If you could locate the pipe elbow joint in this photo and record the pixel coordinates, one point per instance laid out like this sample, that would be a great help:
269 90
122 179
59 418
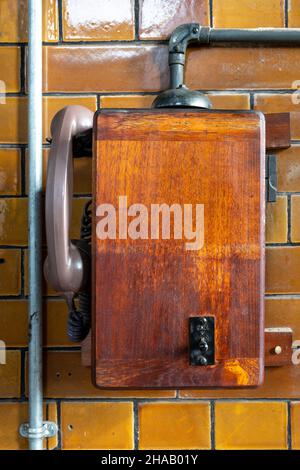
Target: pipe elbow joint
184 34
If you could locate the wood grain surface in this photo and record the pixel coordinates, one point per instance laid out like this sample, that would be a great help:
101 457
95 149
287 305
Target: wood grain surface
144 290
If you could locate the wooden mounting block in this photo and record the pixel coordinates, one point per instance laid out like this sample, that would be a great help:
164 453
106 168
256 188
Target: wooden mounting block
145 291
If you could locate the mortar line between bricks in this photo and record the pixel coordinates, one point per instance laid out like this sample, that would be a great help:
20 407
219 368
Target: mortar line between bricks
59 423
14 400
136 426
98 102
22 374
212 425
286 13
101 43
62 348
131 399
289 426
289 219
225 91
47 419
13 297
22 72
60 24
282 245
211 13
13 247
252 103
136 20
23 171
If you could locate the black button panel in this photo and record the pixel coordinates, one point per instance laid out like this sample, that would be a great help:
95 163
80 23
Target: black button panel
202 341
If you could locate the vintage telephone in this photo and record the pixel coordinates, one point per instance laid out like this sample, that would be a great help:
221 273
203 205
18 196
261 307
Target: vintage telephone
174 306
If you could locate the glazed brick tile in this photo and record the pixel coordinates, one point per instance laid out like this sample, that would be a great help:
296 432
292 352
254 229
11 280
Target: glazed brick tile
294 13
277 221
251 425
230 100
95 20
10 279
295 425
288 169
145 68
13 120
13 221
295 213
174 426
248 14
282 270
10 78
10 172
158 18
12 415
129 101
283 312
15 312
90 426
219 68
101 68
13 20
10 373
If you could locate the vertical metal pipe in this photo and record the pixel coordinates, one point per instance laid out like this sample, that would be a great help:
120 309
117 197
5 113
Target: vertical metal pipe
34 221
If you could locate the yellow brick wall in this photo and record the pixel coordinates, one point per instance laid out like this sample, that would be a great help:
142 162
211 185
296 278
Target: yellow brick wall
113 53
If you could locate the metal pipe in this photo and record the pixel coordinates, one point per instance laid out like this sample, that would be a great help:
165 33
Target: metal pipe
195 33
280 36
179 95
34 221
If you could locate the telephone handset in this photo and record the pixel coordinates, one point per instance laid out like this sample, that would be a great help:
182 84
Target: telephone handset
67 267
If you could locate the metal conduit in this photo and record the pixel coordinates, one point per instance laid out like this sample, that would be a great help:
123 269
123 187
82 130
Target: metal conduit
36 429
34 220
260 36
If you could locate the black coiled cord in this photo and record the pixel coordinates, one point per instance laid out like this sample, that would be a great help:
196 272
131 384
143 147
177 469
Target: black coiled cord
79 319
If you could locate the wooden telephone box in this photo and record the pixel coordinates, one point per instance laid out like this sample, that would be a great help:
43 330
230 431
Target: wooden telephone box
170 262
170 312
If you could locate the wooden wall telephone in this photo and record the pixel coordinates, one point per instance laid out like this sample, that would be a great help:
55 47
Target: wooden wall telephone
168 310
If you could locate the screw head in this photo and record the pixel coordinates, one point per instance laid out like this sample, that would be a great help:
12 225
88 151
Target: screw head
203 345
203 360
278 350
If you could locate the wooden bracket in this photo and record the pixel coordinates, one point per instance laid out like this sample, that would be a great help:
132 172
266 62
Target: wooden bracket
278 131
278 346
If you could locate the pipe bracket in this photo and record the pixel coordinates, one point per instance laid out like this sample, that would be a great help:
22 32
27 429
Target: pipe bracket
49 429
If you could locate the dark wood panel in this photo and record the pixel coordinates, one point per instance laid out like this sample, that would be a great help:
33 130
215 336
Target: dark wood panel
278 131
146 290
